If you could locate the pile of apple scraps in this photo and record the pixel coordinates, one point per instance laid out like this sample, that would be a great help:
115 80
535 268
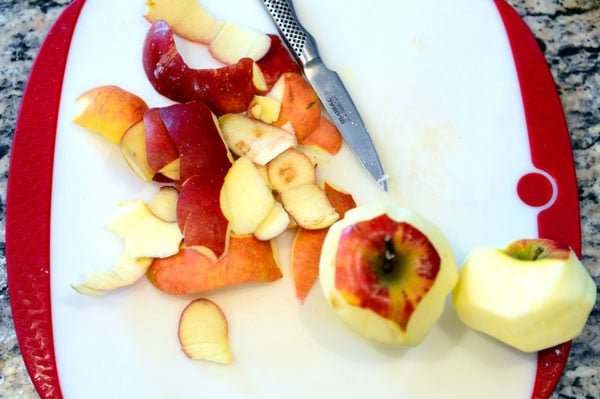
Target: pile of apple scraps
236 156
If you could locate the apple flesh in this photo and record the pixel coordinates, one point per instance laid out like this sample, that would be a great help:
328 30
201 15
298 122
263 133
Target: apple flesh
133 150
203 332
234 42
226 89
533 295
386 271
187 18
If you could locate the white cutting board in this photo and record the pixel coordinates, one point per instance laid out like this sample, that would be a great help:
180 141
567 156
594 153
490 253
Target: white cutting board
435 83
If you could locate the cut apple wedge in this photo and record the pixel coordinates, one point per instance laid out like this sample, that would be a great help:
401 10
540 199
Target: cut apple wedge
133 150
245 197
187 18
203 332
164 204
290 169
256 140
144 234
277 62
191 271
109 110
275 223
226 89
309 206
234 42
127 271
307 244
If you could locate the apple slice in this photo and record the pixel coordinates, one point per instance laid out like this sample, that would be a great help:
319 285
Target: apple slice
164 204
191 271
276 62
133 150
533 295
109 110
245 196
144 234
290 169
203 332
251 138
234 42
275 223
309 206
300 104
386 271
226 89
127 271
307 244
187 18
325 137
161 152
264 108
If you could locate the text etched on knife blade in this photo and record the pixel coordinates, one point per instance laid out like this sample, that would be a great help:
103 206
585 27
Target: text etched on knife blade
339 113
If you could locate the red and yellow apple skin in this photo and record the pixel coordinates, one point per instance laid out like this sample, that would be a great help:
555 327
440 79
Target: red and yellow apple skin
226 90
532 295
387 271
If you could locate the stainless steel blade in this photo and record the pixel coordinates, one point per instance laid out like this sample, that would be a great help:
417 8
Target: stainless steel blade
328 86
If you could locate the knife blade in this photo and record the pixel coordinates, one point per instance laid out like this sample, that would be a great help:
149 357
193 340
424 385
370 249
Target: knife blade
329 87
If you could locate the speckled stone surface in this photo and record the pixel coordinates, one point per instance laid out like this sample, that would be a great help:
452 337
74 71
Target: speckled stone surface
568 31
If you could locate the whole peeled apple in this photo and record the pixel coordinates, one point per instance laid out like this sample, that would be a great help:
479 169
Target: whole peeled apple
532 295
387 271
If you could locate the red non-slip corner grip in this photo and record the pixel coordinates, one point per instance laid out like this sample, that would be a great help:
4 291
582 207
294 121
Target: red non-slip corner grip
550 152
29 197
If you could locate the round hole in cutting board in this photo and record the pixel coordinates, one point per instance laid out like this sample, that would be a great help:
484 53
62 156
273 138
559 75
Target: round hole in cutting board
535 189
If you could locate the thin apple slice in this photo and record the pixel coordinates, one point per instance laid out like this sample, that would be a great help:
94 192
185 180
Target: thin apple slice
275 223
307 244
195 133
144 234
247 197
251 138
190 271
290 169
172 170
300 104
164 204
133 150
160 149
234 42
277 61
187 18
203 332
226 89
309 206
325 137
126 272
109 110
264 108
199 214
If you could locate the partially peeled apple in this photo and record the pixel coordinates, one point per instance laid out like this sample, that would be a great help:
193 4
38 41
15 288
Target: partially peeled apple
532 295
386 271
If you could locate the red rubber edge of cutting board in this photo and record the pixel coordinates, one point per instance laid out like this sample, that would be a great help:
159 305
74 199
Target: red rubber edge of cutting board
550 152
29 196
30 190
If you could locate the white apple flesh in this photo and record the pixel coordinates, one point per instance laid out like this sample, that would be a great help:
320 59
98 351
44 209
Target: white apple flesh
386 271
531 296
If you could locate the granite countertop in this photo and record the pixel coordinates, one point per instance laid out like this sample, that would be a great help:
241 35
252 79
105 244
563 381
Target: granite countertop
568 32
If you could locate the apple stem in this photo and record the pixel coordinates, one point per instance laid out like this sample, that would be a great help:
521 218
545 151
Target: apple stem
537 253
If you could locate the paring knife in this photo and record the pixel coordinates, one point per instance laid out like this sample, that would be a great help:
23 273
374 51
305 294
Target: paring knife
328 86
